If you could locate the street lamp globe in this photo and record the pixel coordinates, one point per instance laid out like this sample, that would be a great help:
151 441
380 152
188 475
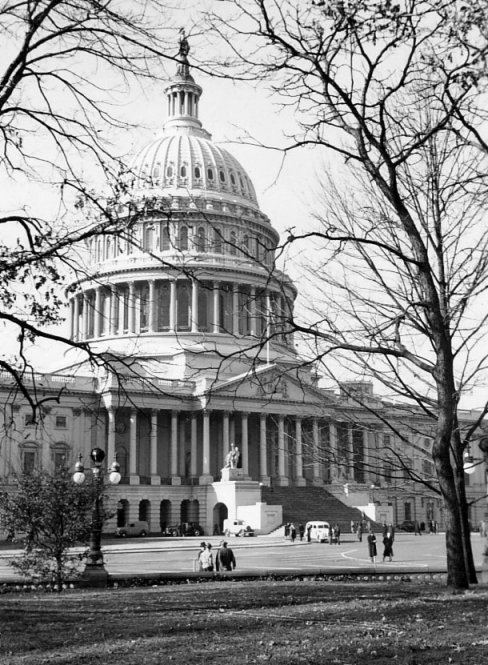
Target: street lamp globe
114 476
469 465
79 476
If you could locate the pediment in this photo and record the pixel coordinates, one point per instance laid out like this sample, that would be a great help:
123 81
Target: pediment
270 384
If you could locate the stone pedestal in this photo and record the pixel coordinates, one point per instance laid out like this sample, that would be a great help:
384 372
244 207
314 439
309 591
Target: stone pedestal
229 474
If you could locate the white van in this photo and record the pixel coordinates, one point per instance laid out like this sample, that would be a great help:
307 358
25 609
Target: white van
319 531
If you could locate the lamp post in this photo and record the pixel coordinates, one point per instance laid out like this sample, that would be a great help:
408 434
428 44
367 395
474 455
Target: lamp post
95 573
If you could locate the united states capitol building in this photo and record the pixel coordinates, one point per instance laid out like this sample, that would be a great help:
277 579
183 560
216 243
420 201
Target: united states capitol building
191 312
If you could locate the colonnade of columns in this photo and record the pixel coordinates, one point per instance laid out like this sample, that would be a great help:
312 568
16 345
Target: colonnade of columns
278 449
177 305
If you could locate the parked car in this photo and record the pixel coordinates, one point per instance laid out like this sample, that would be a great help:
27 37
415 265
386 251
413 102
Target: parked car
319 530
139 528
406 525
184 529
237 528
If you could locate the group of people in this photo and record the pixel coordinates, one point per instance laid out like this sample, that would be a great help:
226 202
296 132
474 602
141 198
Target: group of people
388 538
291 532
224 558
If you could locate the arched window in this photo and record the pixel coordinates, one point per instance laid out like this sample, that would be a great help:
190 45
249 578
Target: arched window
217 242
163 299
144 309
200 240
198 173
165 237
210 174
245 245
183 240
183 301
149 237
232 243
222 175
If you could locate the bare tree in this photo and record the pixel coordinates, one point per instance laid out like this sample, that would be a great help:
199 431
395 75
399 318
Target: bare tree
395 91
67 67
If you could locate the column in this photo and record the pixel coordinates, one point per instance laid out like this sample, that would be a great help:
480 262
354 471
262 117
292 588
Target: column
181 445
121 299
113 310
84 316
76 318
175 478
299 480
282 478
155 477
316 480
245 444
225 434
133 475
98 312
216 307
263 451
193 444
206 478
235 310
132 307
252 310
334 468
172 305
152 306
194 305
111 436
350 453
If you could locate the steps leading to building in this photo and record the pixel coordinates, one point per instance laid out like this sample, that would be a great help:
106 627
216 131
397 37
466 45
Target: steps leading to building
305 504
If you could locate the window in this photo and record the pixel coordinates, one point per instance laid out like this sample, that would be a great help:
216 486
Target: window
222 175
210 174
28 461
28 420
198 173
61 422
165 239
428 468
232 243
183 171
59 459
169 171
217 243
183 245
200 239
386 440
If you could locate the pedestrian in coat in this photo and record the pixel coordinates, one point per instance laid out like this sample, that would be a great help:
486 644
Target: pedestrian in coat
225 559
287 529
360 532
388 546
206 557
301 531
372 547
293 533
309 533
198 561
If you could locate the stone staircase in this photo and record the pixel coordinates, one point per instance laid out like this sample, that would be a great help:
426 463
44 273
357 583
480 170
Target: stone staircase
304 504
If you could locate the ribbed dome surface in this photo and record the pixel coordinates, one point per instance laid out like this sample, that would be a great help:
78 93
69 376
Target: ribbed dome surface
191 162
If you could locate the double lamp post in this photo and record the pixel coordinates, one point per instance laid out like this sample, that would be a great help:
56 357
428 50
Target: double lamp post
95 573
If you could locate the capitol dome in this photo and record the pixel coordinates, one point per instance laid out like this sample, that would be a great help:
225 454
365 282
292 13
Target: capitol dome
184 159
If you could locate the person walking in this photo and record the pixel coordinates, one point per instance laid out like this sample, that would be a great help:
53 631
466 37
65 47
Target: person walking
293 533
197 564
360 532
372 551
287 530
301 532
225 559
309 533
388 546
337 534
206 558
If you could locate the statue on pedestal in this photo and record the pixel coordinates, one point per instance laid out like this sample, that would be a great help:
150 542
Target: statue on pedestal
233 458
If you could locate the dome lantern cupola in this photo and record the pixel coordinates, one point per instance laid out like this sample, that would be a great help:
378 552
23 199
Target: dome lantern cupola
182 96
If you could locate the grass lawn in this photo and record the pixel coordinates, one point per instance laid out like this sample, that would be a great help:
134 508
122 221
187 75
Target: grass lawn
248 622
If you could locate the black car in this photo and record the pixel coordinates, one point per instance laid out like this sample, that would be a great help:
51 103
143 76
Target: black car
406 525
184 529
